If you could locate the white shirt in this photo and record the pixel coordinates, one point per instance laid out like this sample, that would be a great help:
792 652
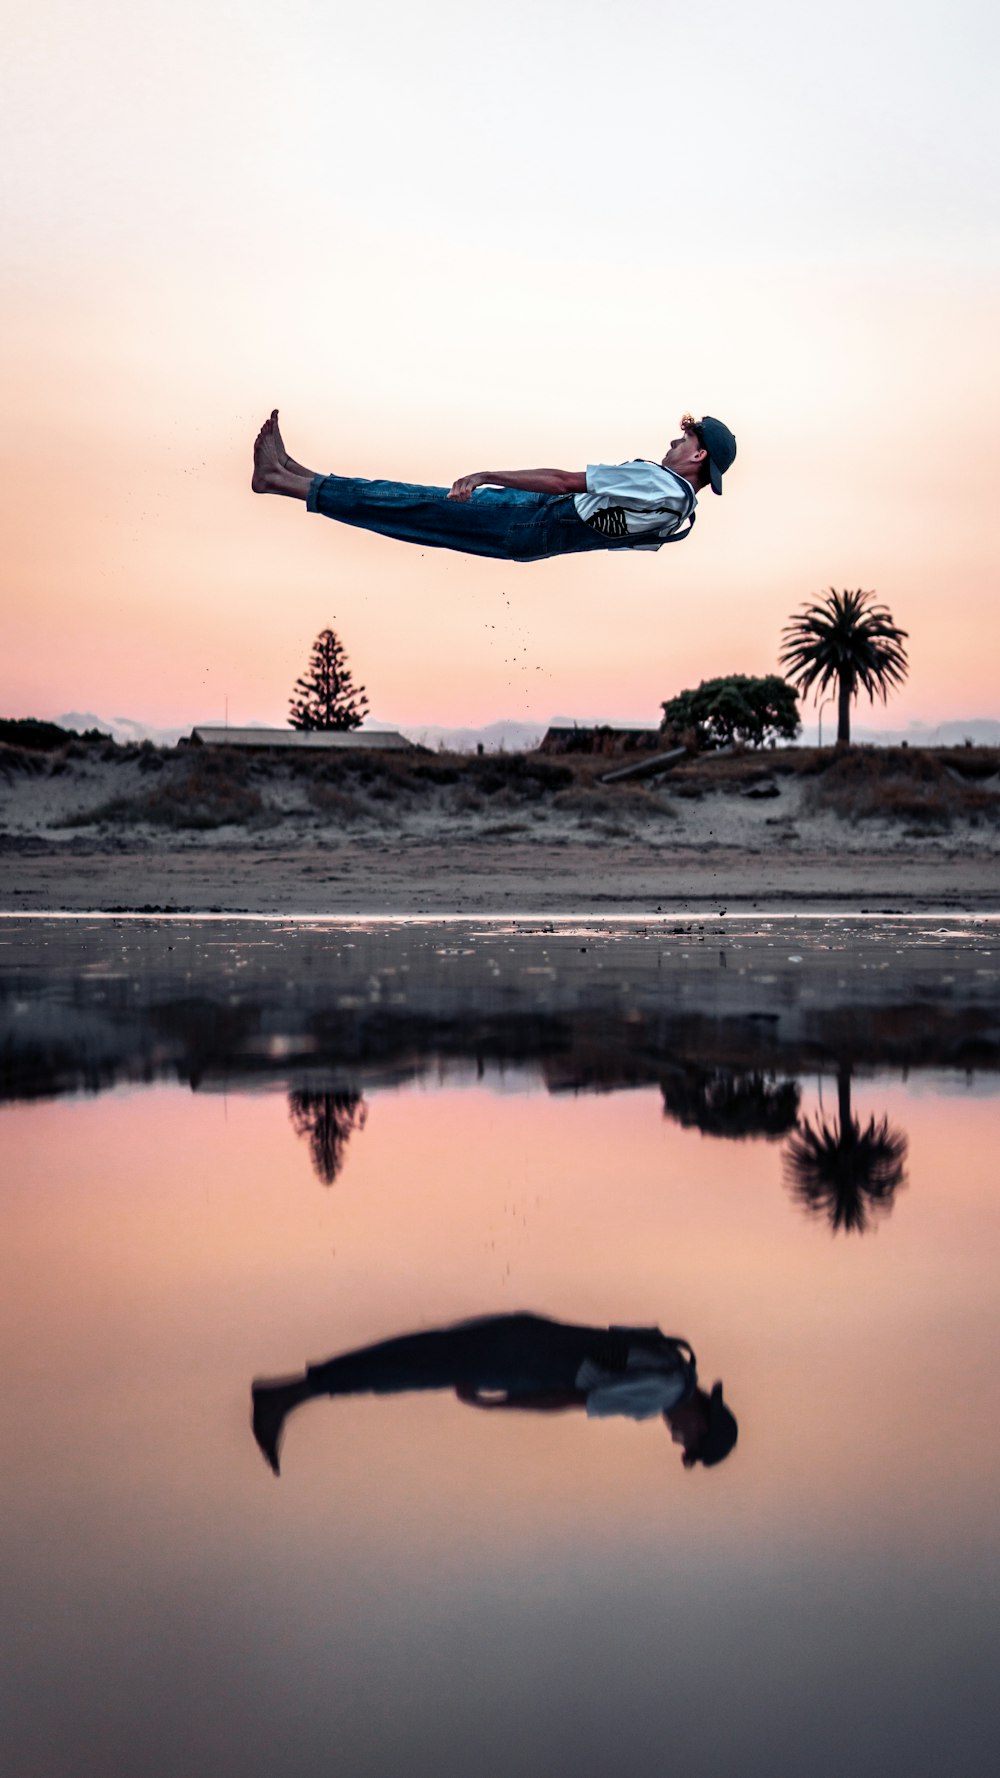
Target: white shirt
648 1387
640 500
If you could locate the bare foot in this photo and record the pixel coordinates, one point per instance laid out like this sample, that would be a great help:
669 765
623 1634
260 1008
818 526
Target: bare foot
271 1403
267 463
274 471
284 459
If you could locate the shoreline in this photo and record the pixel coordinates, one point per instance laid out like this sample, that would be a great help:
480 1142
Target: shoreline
514 920
273 1002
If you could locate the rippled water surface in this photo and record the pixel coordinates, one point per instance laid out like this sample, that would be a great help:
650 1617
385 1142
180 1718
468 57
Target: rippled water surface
232 1151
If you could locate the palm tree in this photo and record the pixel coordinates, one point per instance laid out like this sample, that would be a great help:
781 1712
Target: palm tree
847 640
839 1170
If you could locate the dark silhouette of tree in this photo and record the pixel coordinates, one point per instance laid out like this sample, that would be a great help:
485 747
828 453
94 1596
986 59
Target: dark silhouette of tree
848 1174
736 708
326 696
329 1120
848 641
735 1106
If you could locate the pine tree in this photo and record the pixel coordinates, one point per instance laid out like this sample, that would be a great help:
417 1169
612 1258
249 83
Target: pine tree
326 696
329 1120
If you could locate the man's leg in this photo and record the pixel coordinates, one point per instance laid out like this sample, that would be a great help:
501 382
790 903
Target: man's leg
436 1359
520 1353
505 524
411 513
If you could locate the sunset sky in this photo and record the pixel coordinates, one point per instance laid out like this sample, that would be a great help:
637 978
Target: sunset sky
443 238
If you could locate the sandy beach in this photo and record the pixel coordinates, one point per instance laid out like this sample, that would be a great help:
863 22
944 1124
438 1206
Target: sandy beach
139 830
482 877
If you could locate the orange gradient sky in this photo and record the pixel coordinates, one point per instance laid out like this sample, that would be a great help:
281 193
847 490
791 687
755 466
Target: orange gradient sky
445 238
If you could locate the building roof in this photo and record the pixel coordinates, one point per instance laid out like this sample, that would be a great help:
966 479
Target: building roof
344 740
596 737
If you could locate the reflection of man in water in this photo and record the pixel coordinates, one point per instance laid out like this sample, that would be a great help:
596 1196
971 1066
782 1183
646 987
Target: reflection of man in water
523 1361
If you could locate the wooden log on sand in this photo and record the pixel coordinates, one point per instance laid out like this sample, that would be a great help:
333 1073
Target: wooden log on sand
646 768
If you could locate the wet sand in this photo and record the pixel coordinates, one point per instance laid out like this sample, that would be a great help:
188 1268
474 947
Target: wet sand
266 991
499 875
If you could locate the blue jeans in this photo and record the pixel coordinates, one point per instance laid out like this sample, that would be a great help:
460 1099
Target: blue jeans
524 1354
502 522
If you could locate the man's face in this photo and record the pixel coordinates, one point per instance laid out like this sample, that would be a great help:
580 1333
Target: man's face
684 456
687 1425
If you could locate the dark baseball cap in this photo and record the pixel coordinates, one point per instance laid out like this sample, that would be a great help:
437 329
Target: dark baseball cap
721 447
722 1431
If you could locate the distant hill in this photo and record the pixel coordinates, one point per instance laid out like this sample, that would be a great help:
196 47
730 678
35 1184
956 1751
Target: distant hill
984 731
124 729
504 736
509 736
494 737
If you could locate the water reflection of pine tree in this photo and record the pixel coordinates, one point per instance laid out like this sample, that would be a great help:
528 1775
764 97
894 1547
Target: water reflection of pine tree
848 1174
329 1120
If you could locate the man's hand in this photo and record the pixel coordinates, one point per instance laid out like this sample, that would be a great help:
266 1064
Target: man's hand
469 1393
533 481
552 1401
466 484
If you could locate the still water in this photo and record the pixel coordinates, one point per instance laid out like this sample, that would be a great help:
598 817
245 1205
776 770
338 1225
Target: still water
228 1154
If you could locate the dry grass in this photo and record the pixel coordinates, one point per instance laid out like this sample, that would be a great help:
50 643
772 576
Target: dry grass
708 773
195 788
409 778
973 762
336 805
207 790
901 784
18 762
927 788
597 803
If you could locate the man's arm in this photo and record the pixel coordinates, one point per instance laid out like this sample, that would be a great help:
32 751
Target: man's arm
550 1402
533 481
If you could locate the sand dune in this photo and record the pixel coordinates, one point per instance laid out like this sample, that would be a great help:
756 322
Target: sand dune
135 828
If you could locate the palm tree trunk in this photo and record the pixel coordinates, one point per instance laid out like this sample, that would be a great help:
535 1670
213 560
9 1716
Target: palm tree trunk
844 1096
844 711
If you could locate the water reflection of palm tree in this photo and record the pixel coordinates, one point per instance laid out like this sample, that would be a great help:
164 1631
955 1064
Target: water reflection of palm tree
844 1172
329 1120
735 1105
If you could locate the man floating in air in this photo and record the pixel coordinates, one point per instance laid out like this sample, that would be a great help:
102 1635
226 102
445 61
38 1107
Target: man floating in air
518 515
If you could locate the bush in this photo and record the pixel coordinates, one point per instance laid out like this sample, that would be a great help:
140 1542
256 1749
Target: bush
336 805
974 762
15 760
588 805
208 792
901 784
519 774
723 712
438 772
42 737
